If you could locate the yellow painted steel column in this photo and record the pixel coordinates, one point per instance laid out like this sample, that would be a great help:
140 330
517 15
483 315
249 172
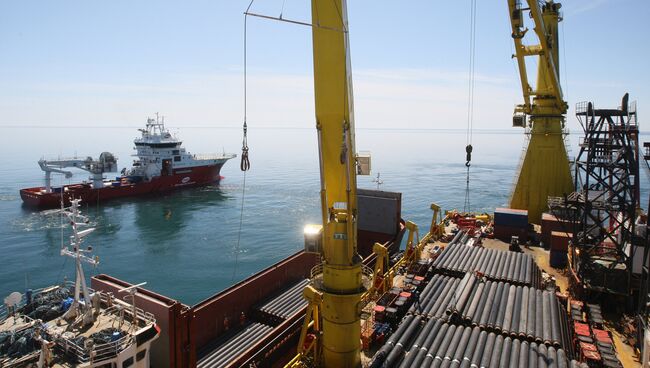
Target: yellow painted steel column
342 272
545 170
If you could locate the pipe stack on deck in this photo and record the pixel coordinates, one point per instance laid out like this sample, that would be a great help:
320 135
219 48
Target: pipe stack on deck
286 304
435 343
518 311
274 311
481 308
515 268
242 341
503 308
436 296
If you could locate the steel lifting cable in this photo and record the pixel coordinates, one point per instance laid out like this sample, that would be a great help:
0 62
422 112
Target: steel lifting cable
245 163
470 101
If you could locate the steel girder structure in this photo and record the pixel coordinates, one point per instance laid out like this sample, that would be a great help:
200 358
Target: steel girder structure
606 200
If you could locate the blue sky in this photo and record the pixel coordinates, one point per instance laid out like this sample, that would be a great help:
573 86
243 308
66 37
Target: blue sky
86 63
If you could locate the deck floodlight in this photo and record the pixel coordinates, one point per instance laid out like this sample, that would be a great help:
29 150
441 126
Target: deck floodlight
313 238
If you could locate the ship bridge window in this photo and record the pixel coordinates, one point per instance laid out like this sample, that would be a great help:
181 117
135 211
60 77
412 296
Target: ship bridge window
177 158
175 152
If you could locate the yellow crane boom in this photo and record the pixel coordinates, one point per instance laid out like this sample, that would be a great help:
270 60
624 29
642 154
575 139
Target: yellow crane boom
335 292
545 170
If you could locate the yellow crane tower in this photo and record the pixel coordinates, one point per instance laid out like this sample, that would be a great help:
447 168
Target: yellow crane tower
545 170
335 292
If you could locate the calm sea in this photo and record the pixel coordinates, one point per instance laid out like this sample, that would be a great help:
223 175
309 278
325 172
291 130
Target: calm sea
184 245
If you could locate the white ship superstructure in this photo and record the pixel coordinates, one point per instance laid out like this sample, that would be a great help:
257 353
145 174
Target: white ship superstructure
160 153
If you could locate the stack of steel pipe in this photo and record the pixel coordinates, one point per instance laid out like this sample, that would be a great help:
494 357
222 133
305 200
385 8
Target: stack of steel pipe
436 296
242 341
516 268
517 311
287 303
393 349
439 344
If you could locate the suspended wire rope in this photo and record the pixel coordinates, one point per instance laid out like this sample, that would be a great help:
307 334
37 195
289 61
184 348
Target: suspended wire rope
245 163
470 101
282 10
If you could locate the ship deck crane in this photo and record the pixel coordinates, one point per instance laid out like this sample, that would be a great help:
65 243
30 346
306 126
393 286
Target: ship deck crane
106 163
545 170
337 285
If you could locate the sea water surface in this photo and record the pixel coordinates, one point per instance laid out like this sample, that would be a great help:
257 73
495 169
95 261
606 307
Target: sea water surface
188 244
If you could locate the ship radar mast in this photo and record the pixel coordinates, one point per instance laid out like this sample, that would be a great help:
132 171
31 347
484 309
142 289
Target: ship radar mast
155 127
83 300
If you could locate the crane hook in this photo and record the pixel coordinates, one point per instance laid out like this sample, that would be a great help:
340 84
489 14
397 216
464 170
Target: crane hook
245 164
468 150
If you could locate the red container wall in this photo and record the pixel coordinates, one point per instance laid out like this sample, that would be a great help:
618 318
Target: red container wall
560 241
551 223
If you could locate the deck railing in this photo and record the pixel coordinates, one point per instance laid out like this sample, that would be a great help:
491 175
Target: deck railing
213 156
119 311
96 353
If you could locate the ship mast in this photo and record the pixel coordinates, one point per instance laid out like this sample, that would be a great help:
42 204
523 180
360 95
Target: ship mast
83 301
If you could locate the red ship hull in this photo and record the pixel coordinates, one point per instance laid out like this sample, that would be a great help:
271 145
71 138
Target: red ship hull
180 178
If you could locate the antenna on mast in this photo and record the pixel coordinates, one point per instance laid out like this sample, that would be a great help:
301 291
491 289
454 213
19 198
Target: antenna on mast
378 180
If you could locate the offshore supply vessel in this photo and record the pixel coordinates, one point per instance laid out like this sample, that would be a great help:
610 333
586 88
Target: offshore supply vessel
163 165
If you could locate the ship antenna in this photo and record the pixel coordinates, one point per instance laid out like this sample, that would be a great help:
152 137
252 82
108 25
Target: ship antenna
378 180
